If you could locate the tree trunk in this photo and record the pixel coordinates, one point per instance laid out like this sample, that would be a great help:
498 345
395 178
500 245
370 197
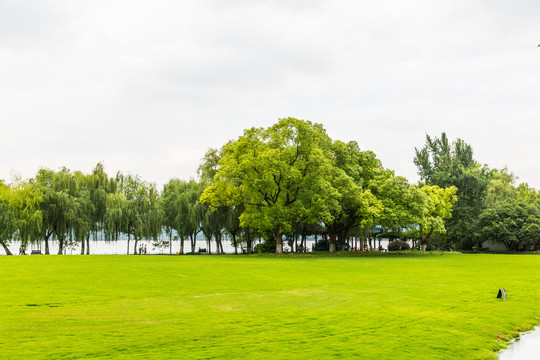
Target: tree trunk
218 242
340 243
135 246
421 239
235 244
82 247
182 246
61 246
88 245
249 243
46 245
192 240
129 238
332 243
279 242
170 243
6 249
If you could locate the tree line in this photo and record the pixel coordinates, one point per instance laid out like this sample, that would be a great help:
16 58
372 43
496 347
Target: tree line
281 183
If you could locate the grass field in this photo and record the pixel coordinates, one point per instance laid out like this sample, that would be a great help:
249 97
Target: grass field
226 307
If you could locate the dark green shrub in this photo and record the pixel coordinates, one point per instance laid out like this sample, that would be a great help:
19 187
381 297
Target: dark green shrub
267 246
322 245
398 245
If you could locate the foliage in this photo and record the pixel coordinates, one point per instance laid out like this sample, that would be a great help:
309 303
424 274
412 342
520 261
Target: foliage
25 201
397 245
60 205
135 210
7 217
515 224
267 246
175 211
402 204
280 174
358 207
447 164
437 208
322 245
289 178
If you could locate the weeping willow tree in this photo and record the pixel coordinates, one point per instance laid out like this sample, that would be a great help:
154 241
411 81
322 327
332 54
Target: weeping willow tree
151 213
134 210
94 203
82 224
172 205
20 216
116 204
28 216
189 213
213 225
232 225
59 205
7 216
182 211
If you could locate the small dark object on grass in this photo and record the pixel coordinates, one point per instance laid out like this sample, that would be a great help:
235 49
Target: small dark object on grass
502 294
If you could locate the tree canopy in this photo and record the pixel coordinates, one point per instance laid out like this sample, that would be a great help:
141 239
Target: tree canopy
446 164
279 174
289 180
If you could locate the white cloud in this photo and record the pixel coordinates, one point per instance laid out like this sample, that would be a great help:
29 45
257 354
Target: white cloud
149 86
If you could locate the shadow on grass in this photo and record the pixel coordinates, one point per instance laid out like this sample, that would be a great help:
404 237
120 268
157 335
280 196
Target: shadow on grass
407 253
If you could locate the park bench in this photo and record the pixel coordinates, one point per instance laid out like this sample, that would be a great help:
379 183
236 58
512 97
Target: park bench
202 251
36 252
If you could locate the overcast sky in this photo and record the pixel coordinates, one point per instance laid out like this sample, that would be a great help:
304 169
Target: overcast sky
148 86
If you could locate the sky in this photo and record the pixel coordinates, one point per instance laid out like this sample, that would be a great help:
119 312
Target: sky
147 87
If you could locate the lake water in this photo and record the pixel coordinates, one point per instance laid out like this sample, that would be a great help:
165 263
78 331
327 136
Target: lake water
526 348
120 247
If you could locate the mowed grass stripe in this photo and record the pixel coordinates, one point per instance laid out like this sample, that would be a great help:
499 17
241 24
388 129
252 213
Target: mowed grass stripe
225 307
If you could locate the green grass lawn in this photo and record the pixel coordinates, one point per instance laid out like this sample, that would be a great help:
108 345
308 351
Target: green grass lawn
226 307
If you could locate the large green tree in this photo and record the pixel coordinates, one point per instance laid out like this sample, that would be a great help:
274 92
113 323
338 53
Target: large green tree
445 164
280 174
437 208
358 207
513 223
